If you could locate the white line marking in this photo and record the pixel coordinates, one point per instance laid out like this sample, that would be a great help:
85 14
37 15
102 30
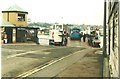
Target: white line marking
40 68
11 56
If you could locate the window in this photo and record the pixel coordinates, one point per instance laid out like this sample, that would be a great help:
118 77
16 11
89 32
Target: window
58 27
113 37
21 17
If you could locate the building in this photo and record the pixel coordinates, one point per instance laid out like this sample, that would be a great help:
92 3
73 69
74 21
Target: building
4 25
112 42
17 17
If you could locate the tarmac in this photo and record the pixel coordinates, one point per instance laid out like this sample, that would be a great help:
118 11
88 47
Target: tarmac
92 65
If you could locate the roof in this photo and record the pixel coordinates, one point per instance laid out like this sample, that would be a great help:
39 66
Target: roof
6 23
14 8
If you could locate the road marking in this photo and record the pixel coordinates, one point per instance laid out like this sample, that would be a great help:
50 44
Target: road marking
41 67
11 56
15 55
43 57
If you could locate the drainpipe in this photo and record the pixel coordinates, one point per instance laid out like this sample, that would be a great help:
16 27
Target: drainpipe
104 31
106 72
8 16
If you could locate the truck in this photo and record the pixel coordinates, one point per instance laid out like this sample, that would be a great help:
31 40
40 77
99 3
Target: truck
57 35
75 33
94 39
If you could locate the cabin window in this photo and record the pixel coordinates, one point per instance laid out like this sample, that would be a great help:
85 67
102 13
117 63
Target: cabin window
58 27
54 27
21 17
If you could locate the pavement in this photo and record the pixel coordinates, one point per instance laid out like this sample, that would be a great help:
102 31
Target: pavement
90 66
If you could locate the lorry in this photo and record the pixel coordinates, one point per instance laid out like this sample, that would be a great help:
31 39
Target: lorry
75 33
95 39
57 35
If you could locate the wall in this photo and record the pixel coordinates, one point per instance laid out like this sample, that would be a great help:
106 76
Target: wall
4 16
113 26
13 18
2 34
14 35
22 23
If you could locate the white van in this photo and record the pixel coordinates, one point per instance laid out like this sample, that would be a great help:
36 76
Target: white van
56 35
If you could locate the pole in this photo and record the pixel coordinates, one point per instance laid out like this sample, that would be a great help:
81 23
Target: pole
104 31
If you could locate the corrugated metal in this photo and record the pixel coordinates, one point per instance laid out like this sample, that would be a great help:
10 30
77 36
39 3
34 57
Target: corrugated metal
15 8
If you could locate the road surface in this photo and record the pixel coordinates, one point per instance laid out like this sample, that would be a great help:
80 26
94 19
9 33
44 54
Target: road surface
36 60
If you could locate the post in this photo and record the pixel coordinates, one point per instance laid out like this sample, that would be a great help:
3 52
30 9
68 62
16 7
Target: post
104 31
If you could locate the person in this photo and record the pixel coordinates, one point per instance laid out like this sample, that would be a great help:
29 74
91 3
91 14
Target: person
90 39
96 35
84 36
38 37
64 39
81 35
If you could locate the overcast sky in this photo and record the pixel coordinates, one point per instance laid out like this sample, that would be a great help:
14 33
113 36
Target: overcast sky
72 11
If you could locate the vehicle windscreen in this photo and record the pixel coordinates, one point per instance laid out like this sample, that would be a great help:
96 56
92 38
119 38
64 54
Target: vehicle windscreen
76 30
58 27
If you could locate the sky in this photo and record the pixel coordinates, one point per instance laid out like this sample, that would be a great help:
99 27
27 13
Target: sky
88 12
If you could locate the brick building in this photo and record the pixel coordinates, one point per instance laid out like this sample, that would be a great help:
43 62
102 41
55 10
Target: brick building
17 17
112 42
